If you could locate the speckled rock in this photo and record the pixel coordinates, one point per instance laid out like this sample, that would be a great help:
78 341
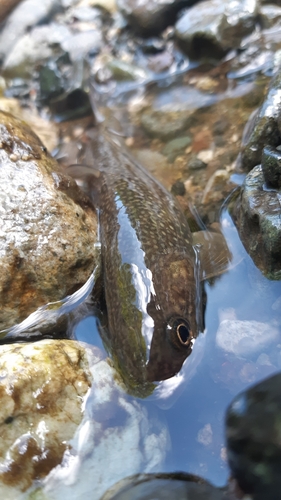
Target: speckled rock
256 213
213 27
48 230
263 127
150 17
253 439
43 386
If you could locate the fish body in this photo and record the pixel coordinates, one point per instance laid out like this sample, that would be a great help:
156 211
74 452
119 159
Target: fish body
150 270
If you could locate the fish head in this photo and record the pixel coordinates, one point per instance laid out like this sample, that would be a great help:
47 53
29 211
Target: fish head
175 309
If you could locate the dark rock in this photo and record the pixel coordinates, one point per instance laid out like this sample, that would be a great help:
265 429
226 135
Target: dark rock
50 81
271 167
196 164
71 105
253 439
220 126
150 17
213 27
178 486
256 213
178 188
263 127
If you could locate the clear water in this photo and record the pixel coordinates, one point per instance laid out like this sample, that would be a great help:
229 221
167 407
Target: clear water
195 420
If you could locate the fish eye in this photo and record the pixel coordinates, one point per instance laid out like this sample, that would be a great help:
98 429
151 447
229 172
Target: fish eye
178 331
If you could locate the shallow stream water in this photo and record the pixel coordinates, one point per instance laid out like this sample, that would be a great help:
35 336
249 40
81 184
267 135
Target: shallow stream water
211 376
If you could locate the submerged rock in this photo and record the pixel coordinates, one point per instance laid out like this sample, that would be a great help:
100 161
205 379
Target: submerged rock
253 439
256 213
43 386
48 230
244 338
213 27
263 128
178 486
150 17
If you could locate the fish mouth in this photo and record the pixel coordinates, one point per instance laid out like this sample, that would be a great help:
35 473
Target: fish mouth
163 367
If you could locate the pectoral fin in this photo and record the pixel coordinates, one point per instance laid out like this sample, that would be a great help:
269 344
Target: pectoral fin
214 254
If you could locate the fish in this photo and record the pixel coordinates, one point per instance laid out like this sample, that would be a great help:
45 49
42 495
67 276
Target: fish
151 267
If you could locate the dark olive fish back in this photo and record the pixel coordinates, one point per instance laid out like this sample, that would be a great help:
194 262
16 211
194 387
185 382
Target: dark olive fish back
150 271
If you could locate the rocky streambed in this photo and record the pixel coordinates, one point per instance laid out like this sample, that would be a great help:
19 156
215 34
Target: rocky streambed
191 92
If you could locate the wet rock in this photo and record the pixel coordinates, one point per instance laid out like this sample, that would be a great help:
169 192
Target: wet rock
48 230
269 15
34 48
244 338
121 70
196 164
172 110
176 146
263 127
253 439
256 214
179 486
109 5
26 15
271 166
78 45
216 187
213 27
6 7
178 188
166 125
117 436
46 131
150 17
43 386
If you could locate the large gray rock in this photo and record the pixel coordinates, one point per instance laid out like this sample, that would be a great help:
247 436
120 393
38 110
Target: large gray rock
35 48
27 14
48 229
150 17
213 27
253 439
256 213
